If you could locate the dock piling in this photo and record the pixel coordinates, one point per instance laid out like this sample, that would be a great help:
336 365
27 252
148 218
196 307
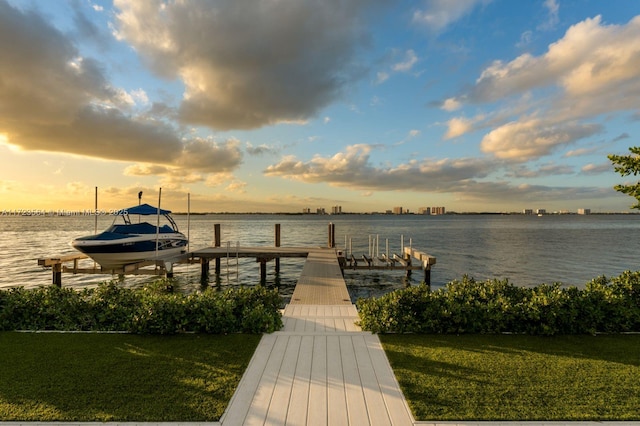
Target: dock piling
216 243
277 238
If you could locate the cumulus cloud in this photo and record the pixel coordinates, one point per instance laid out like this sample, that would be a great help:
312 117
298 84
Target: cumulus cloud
246 67
591 59
53 99
463 177
352 168
524 140
451 104
591 70
457 126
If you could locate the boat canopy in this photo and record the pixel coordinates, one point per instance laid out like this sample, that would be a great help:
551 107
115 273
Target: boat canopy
143 209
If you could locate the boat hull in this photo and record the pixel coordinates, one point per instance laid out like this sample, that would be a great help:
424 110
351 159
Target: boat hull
115 254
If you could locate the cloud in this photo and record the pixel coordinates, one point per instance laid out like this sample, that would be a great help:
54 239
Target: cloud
596 169
622 136
381 77
526 140
247 67
451 104
462 177
261 149
439 14
407 64
553 9
522 171
352 168
52 99
457 126
592 65
547 102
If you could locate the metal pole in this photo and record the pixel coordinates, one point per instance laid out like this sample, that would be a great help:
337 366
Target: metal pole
158 222
95 226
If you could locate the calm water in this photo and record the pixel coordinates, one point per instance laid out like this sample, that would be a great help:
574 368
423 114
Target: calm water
528 250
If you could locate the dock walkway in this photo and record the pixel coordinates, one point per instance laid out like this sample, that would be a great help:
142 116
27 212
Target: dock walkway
321 369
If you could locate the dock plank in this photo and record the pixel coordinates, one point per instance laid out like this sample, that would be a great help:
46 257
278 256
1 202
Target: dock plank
321 369
357 407
336 391
299 403
259 408
240 403
317 410
281 397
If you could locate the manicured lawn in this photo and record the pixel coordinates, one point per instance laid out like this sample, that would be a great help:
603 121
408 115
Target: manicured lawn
509 377
120 377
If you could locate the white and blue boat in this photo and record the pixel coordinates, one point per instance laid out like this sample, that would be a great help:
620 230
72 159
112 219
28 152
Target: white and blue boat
133 241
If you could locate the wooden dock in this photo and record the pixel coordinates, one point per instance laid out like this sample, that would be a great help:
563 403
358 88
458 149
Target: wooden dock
321 369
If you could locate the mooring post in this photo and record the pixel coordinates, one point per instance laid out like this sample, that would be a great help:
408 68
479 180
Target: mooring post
263 270
277 245
332 235
57 274
407 258
204 270
427 276
216 243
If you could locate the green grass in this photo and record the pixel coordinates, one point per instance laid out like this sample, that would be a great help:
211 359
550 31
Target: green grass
515 377
119 377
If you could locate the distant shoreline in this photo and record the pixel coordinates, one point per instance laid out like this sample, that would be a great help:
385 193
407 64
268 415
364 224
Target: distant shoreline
407 214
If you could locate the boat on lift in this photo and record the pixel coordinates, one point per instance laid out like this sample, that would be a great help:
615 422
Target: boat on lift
129 241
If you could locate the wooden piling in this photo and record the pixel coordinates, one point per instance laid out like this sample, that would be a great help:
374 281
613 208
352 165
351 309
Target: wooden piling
277 238
332 235
216 243
57 274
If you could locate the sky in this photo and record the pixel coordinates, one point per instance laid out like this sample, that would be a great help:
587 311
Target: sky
284 105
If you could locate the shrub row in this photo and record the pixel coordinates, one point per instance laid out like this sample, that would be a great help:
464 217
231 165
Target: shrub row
155 309
495 306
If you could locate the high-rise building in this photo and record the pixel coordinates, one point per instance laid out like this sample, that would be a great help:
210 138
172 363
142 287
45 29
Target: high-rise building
424 210
584 211
397 210
336 210
437 210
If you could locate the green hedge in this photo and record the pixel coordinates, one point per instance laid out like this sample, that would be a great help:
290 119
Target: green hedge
494 306
155 309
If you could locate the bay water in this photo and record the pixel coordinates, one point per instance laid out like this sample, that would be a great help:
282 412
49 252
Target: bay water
527 250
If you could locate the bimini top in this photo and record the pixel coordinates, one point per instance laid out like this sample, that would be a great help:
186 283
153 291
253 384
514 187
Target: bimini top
143 209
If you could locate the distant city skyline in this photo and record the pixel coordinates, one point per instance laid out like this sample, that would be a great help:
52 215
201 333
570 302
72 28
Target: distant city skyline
265 106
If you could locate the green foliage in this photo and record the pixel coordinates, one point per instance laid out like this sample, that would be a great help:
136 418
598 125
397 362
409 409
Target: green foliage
155 309
626 165
494 306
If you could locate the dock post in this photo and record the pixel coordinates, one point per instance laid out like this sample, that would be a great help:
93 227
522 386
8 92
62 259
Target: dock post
277 245
427 276
204 270
216 243
263 270
332 235
407 259
57 274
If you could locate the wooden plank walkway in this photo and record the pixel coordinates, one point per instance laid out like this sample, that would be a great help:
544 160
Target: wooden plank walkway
321 369
321 281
